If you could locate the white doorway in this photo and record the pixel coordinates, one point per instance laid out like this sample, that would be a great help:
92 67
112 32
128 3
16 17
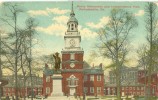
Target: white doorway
72 91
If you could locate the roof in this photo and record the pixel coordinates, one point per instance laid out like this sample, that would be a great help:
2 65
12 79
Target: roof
72 16
48 71
73 19
87 69
86 65
94 70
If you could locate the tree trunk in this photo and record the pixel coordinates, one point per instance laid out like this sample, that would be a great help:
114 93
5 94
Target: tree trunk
16 55
25 89
30 61
150 69
118 83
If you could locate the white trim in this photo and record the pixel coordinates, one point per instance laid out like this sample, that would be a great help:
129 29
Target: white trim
98 89
99 78
91 89
91 77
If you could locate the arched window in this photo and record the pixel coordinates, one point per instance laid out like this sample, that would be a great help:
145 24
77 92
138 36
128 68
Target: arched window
72 81
72 27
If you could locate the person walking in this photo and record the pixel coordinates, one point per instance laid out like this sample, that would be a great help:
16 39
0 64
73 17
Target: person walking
7 97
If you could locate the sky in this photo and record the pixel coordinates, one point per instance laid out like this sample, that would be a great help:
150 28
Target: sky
52 17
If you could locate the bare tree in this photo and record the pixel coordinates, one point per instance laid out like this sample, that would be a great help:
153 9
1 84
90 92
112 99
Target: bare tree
151 21
113 40
11 20
30 24
19 44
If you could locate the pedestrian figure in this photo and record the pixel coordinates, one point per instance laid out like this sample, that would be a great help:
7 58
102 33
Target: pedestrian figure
83 96
7 97
67 95
13 97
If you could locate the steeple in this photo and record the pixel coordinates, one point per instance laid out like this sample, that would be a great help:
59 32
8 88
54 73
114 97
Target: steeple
72 22
72 14
72 36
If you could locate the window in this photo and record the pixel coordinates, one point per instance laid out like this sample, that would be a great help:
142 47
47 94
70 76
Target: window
68 82
85 89
47 78
72 24
85 78
72 28
91 77
142 88
72 81
91 89
72 56
153 91
47 90
98 89
133 88
137 88
98 77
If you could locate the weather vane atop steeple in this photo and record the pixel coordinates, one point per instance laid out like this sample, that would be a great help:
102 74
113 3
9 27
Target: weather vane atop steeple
72 11
72 6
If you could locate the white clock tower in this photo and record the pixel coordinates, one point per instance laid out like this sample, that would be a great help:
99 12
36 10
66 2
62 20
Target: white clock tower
72 36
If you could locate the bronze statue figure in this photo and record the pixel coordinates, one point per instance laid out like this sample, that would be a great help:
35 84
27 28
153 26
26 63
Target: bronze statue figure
57 61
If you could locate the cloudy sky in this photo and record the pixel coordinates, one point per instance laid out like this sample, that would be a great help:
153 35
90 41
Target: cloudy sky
53 16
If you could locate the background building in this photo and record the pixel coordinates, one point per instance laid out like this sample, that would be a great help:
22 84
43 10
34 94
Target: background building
143 79
129 83
94 81
9 89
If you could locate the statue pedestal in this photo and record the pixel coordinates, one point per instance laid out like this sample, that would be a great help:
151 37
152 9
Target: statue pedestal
57 85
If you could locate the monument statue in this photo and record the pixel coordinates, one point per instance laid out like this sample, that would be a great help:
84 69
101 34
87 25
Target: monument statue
57 78
57 61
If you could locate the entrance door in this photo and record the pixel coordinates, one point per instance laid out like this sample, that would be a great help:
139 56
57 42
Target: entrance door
72 91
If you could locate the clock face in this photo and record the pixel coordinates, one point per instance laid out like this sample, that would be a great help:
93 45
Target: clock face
72 65
72 42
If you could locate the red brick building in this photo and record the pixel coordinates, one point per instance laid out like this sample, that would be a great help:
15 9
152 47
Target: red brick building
94 81
72 70
139 87
47 81
91 81
143 79
9 89
129 83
